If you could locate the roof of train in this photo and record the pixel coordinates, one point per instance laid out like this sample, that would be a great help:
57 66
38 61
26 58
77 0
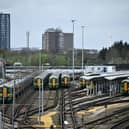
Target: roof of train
65 75
125 80
115 77
65 70
12 83
108 76
43 75
16 82
55 75
90 77
56 72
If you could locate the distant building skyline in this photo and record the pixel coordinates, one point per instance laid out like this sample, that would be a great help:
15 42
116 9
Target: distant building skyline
105 21
68 41
56 41
4 31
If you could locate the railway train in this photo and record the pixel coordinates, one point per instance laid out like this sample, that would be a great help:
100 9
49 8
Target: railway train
124 90
84 83
65 80
7 89
54 81
37 83
59 80
51 80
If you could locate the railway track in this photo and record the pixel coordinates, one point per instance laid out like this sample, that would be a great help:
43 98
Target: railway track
49 103
67 119
95 101
122 124
62 110
85 103
112 120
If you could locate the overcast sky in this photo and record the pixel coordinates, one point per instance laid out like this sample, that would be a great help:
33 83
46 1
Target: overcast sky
105 20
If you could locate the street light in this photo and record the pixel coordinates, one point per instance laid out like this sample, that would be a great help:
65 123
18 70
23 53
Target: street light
39 85
3 106
82 46
73 21
13 106
3 76
42 92
39 102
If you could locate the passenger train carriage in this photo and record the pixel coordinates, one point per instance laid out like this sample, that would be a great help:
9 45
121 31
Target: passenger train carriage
82 82
6 89
65 80
54 81
41 79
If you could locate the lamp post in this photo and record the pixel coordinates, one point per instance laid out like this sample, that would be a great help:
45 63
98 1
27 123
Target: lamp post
3 76
42 93
82 46
3 107
39 85
73 21
13 106
39 101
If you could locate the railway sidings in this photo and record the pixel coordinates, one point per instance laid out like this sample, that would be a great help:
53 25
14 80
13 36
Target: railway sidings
50 99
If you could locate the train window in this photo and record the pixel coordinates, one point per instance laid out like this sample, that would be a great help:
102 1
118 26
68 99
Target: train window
92 68
104 69
98 68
